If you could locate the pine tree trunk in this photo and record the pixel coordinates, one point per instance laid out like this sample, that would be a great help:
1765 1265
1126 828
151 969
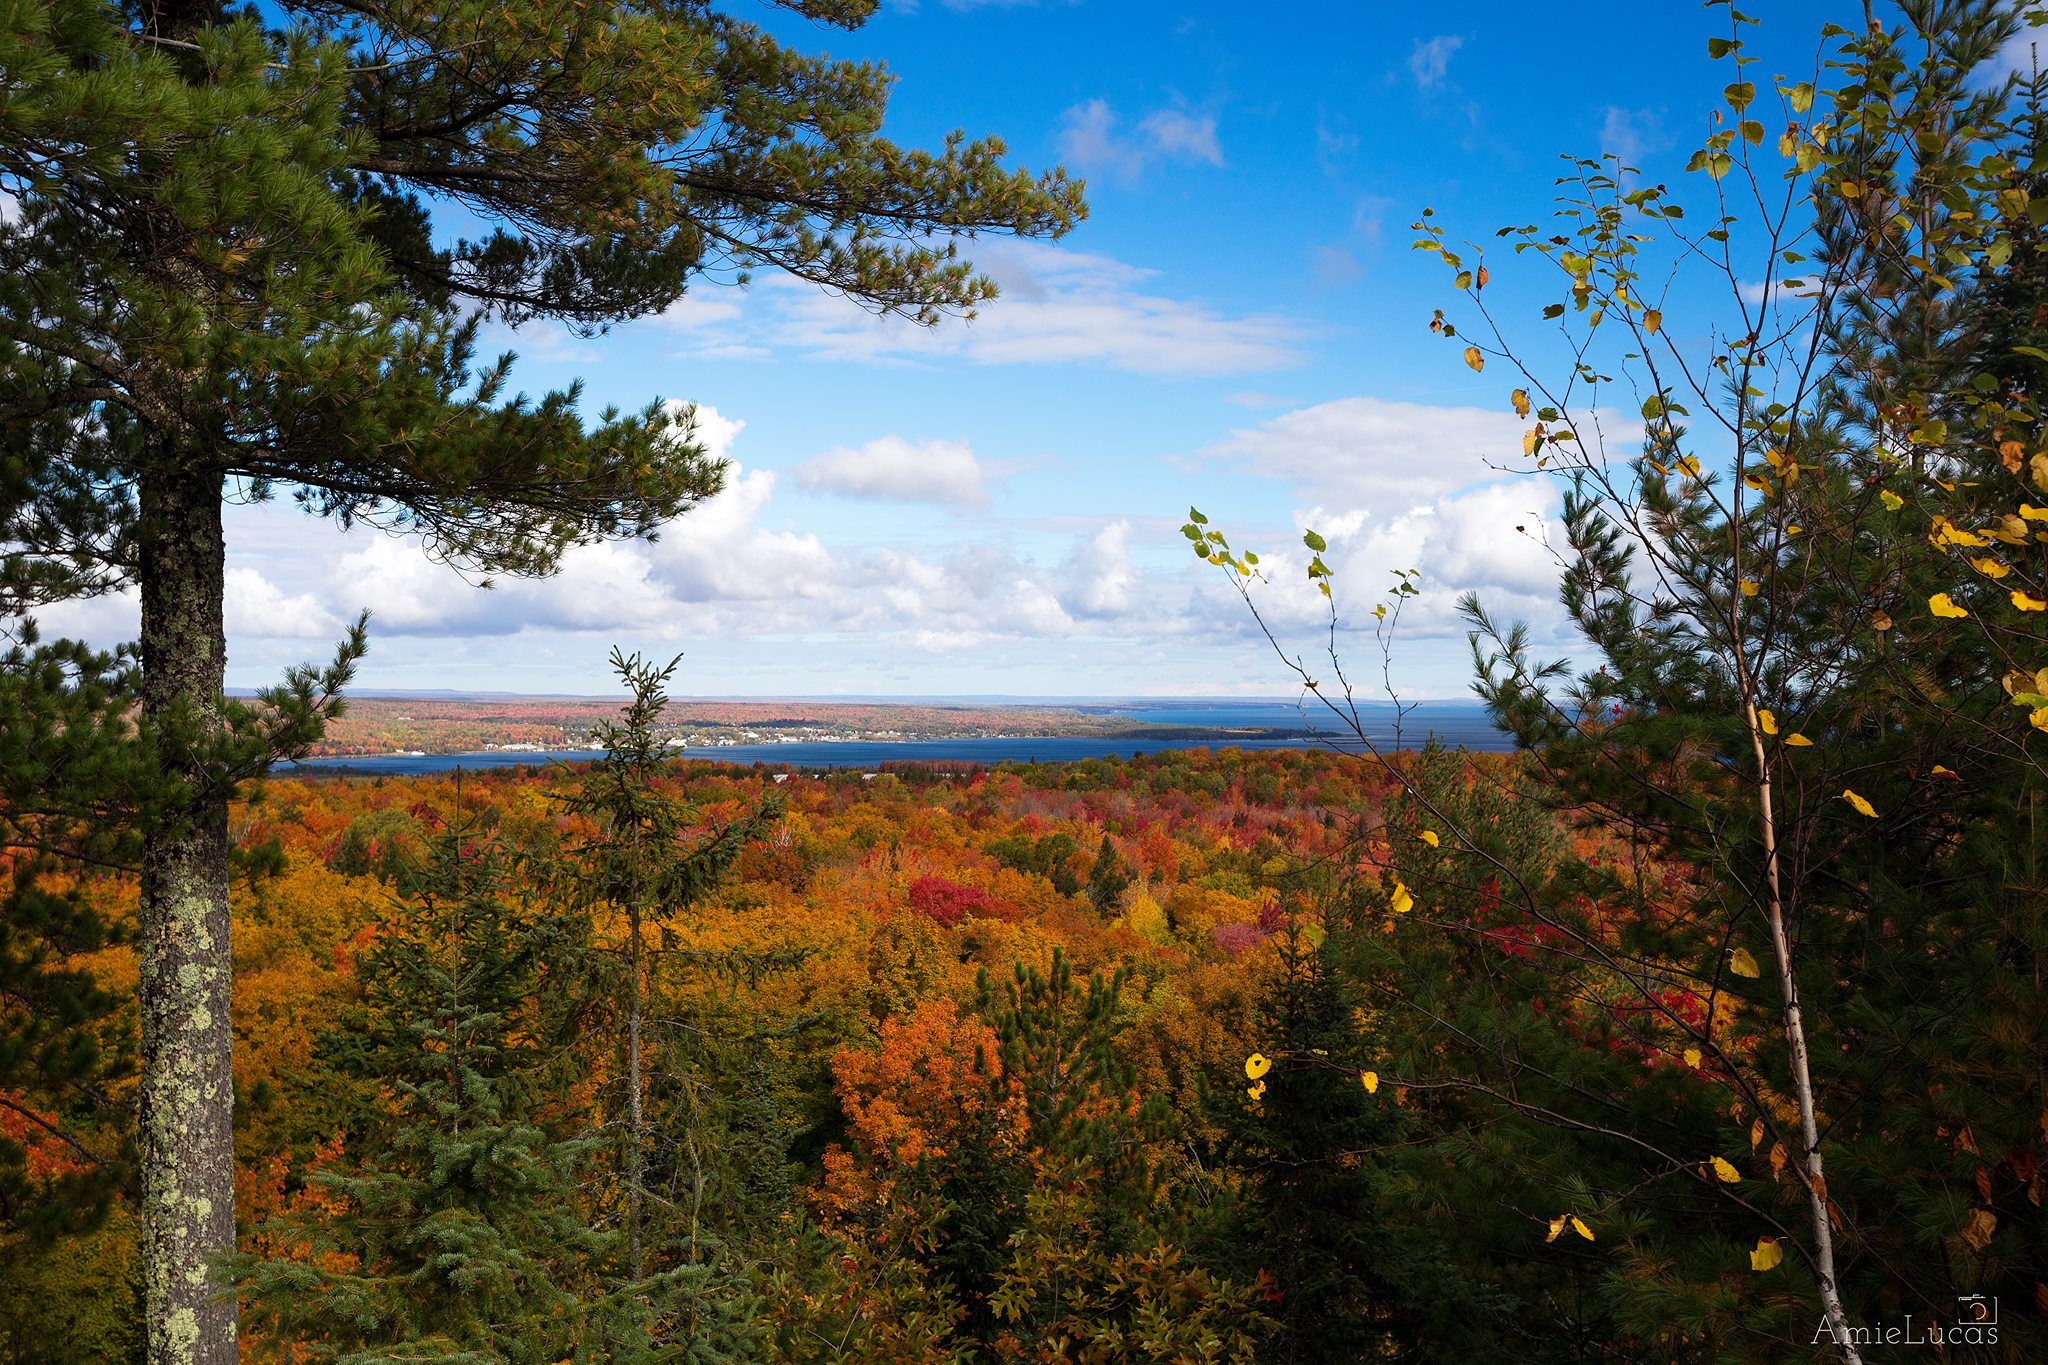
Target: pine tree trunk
636 1112
187 1091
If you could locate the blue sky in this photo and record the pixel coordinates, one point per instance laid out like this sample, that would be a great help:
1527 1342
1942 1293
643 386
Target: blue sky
993 508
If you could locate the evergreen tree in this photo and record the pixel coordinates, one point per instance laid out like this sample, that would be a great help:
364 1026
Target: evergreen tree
1109 879
1307 1137
648 862
1797 687
453 1227
1784 961
225 270
69 789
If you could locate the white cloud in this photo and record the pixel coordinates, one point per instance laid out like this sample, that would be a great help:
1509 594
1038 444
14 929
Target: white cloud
541 340
103 622
1631 135
1177 133
1377 453
711 430
2024 51
256 607
696 312
1431 59
892 468
1057 307
1093 139
1394 485
1101 581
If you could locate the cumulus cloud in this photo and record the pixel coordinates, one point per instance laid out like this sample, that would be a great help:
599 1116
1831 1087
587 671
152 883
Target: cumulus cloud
1393 485
1375 452
894 469
1430 62
1101 580
1093 138
103 622
257 607
721 571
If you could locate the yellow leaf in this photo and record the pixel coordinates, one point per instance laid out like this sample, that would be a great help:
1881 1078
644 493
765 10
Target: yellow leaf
1756 1134
1257 1090
1520 398
1724 1170
2039 718
1692 1058
1749 587
2028 513
1946 532
1794 530
1556 1226
1689 467
1892 501
1474 359
1429 837
1257 1065
1862 807
1880 620
1401 902
1652 320
1977 1233
1778 1159
1776 460
1943 770
1531 438
1767 1254
1742 964
1985 564
1767 722
1371 1081
1798 741
1941 605
2026 603
1582 1229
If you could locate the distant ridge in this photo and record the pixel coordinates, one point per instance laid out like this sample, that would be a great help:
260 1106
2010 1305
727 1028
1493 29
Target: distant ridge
1092 703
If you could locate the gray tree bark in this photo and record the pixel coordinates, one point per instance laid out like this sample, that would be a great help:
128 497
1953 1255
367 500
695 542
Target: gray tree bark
187 1090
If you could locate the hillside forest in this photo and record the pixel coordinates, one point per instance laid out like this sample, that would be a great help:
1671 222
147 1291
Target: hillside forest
1117 1060
1707 1025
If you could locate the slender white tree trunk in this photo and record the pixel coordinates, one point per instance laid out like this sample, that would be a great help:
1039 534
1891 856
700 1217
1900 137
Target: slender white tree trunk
1795 1042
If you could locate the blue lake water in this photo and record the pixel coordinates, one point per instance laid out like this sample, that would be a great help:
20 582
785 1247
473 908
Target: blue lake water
1454 725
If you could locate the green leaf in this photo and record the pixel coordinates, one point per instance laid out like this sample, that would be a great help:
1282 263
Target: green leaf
1197 518
1314 541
